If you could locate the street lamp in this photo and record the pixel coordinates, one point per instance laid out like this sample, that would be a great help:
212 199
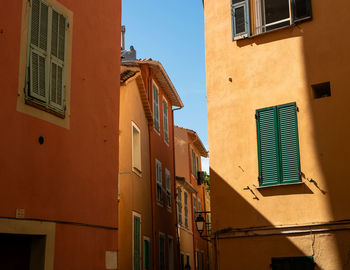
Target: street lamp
200 223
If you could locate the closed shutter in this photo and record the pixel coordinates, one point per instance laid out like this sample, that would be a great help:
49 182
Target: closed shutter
165 120
147 254
267 134
301 10
38 50
137 226
289 143
240 19
58 33
156 107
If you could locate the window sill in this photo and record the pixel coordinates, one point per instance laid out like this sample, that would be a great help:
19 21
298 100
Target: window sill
43 108
281 185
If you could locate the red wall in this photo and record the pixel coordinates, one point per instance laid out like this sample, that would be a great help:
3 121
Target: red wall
73 175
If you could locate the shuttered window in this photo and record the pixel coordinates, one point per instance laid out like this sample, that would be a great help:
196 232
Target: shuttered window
46 81
168 188
137 243
186 209
161 251
179 205
278 145
156 107
165 121
146 254
159 190
194 207
240 19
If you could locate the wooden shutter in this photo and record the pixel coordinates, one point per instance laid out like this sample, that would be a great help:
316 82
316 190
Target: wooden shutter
288 143
267 134
301 10
240 19
38 54
58 36
137 233
165 120
156 107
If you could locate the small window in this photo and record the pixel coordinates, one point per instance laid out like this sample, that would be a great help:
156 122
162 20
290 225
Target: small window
170 253
45 81
188 264
303 263
179 205
278 145
186 209
197 260
156 107
165 121
136 148
161 251
168 188
159 191
182 261
202 260
321 90
146 254
137 241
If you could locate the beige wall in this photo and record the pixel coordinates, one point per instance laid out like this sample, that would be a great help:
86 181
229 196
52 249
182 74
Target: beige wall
272 69
135 189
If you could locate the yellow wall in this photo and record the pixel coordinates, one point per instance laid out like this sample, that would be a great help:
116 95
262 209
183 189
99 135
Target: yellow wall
267 70
135 189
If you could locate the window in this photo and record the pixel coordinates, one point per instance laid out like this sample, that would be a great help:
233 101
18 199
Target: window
170 253
269 15
168 188
194 207
321 90
278 145
186 209
188 260
159 181
165 121
46 64
156 107
136 241
182 261
136 148
146 253
202 260
194 163
199 205
197 260
305 263
179 205
161 251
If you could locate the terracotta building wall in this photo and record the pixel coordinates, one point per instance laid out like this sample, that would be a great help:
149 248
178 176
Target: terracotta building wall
72 176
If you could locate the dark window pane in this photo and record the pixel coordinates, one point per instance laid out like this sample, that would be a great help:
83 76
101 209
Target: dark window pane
302 10
237 1
276 10
239 20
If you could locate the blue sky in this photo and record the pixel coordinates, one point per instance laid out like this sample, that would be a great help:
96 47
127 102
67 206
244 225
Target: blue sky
172 32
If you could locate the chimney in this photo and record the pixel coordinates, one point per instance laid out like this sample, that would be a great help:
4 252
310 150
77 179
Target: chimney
123 37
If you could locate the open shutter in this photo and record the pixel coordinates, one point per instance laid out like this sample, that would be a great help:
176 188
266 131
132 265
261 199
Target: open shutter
136 243
289 143
267 131
240 19
301 10
58 36
38 47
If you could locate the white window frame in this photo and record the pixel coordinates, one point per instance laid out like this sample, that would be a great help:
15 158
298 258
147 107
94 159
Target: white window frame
159 184
168 189
166 122
260 17
162 235
133 229
137 168
156 115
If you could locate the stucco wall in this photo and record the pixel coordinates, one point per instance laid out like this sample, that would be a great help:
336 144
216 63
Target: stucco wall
73 175
135 189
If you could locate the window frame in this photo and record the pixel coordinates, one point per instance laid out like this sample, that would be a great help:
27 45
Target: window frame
156 113
135 168
32 99
137 215
168 189
159 182
165 121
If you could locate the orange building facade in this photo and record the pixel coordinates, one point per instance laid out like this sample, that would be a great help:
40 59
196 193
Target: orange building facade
158 96
60 107
191 198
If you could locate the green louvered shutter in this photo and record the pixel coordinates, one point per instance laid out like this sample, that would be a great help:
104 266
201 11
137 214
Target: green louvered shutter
58 36
289 143
137 243
147 254
267 133
38 50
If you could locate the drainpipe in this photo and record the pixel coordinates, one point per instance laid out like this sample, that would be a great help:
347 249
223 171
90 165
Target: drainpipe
174 187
